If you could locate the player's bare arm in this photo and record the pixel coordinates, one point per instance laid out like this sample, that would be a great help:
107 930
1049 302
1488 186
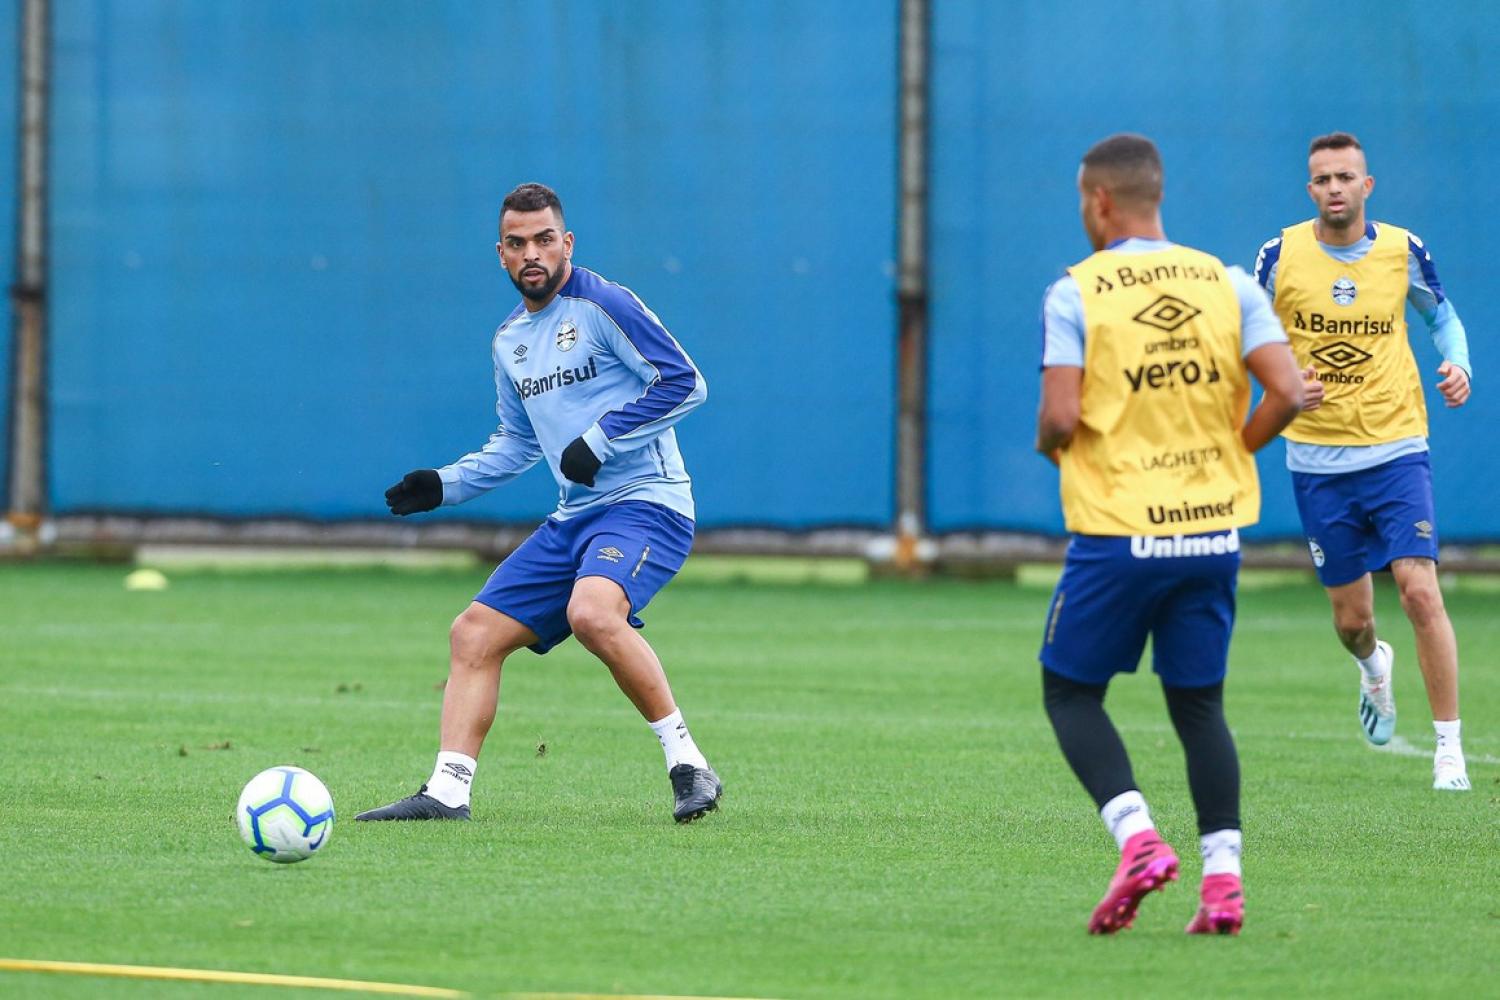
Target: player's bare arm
1275 369
1057 416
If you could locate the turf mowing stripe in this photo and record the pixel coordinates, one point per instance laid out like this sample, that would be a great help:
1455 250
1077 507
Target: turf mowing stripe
213 976
304 982
611 996
1403 747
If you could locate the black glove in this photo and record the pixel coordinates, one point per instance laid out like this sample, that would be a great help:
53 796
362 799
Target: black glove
418 490
579 463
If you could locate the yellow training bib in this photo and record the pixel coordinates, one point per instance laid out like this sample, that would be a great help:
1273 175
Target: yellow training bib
1349 322
1158 450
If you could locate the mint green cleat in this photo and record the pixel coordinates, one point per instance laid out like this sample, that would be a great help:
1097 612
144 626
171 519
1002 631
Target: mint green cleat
1377 705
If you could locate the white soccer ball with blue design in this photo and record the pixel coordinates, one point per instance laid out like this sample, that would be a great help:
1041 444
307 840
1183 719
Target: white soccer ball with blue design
285 814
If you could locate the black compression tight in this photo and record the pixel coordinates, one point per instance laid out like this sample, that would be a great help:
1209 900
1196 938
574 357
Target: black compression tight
1094 750
1213 765
1087 737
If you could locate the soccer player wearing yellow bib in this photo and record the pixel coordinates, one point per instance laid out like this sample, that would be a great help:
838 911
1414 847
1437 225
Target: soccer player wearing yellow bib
1148 351
1359 464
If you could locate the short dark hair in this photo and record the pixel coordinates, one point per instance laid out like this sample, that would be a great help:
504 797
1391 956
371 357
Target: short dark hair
1132 164
532 197
1334 140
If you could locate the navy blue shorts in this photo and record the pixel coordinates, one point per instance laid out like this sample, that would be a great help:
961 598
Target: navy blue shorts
638 545
1114 592
1358 522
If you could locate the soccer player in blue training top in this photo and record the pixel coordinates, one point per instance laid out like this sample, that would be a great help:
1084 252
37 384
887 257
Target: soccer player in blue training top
1148 348
589 380
1359 465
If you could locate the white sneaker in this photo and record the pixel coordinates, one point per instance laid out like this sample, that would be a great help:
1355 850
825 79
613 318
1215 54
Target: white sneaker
1377 704
1448 771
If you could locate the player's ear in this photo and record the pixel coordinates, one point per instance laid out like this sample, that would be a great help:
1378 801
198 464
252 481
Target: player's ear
568 245
1104 205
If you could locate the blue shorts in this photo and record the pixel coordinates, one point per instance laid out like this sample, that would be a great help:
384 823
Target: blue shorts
1358 522
638 545
1114 592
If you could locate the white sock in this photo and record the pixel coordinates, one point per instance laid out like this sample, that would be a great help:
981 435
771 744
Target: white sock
1447 735
1375 666
450 779
1221 852
1126 815
676 742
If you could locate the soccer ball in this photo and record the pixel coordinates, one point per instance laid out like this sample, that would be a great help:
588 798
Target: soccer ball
285 814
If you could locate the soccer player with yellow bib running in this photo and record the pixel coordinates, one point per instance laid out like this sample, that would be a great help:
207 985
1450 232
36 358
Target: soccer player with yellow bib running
1360 471
1148 351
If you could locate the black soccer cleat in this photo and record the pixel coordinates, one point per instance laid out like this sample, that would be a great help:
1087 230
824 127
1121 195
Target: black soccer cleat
696 790
418 806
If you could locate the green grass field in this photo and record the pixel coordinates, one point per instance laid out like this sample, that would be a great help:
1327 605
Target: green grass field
897 821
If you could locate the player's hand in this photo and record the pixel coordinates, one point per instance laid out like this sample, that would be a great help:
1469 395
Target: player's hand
1455 384
579 463
1312 389
419 490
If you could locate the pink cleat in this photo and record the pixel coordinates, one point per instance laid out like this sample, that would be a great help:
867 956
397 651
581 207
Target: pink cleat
1146 864
1223 907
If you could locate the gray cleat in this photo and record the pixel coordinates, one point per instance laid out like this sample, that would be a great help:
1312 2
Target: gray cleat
696 791
418 806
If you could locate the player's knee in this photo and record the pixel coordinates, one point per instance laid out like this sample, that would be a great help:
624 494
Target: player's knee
1354 624
1423 602
594 622
471 641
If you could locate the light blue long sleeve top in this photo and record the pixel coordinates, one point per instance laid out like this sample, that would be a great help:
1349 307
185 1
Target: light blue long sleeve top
594 363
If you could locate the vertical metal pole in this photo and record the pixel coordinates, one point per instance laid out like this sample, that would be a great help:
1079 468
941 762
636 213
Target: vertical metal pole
911 290
29 293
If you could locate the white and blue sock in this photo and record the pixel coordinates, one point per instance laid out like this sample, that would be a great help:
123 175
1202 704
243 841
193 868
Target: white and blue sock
1126 815
1221 852
677 743
1374 666
452 778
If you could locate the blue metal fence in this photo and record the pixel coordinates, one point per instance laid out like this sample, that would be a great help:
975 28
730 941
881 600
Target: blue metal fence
273 279
1232 93
10 80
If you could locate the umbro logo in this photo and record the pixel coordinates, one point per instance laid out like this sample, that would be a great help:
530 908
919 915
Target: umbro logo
1341 354
1424 529
520 353
459 771
1167 313
611 554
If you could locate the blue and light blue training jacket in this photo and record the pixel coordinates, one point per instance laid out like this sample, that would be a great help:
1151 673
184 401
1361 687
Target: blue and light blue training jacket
594 363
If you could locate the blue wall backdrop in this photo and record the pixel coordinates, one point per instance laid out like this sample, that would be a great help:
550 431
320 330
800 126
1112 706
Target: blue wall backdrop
275 280
10 82
273 276
1232 93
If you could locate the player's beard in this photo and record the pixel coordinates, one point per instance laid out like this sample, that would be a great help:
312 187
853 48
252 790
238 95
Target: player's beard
1342 218
537 293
